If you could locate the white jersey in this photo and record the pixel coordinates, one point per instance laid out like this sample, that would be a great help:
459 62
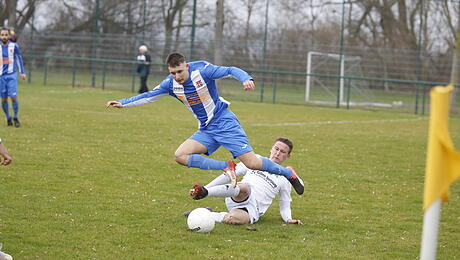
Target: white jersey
265 186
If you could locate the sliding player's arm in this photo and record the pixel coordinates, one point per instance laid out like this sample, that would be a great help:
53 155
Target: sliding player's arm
285 206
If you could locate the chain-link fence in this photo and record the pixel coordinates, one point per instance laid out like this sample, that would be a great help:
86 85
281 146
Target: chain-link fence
307 71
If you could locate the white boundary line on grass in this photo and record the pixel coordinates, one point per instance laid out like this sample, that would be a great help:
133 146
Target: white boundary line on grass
343 122
73 110
268 124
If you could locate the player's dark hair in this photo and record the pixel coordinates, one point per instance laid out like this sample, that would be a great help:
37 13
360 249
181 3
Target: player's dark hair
175 59
287 142
5 29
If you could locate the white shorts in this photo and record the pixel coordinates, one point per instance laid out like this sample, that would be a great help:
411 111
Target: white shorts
250 204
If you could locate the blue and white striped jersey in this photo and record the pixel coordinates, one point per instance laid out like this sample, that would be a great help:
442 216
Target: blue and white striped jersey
199 93
11 57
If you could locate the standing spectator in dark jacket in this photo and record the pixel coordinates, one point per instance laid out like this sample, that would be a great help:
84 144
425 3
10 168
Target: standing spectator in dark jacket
143 68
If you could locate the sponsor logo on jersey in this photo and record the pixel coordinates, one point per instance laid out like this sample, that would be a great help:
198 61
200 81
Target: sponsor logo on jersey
199 83
6 60
264 177
178 88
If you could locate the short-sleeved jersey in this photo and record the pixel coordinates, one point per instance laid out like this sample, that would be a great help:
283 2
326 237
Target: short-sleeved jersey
11 58
199 93
265 186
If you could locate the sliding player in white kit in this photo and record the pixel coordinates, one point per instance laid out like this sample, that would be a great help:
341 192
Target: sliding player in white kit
250 198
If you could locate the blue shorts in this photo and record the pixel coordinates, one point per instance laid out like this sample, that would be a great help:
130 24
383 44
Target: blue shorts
224 131
9 85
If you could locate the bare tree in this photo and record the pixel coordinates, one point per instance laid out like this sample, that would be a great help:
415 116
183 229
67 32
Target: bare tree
11 6
219 29
392 22
455 71
17 18
169 12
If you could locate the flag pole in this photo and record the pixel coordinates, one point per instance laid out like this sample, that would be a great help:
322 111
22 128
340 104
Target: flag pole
430 231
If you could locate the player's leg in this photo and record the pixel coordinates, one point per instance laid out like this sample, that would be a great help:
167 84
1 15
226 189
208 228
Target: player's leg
237 217
4 96
238 192
15 103
12 88
143 88
243 211
239 211
188 147
253 162
146 88
231 135
189 153
6 111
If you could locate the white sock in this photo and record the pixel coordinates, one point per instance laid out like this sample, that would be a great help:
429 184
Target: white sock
221 179
226 190
218 216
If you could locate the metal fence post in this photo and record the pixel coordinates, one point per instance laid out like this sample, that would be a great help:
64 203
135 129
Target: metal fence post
419 59
29 71
133 78
262 87
192 42
341 56
264 52
95 44
103 75
74 65
348 93
424 100
46 71
274 87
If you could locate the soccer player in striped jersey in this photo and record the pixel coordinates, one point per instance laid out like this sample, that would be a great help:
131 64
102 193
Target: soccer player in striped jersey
194 85
252 197
11 58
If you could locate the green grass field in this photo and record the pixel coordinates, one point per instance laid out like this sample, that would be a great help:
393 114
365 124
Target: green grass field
94 183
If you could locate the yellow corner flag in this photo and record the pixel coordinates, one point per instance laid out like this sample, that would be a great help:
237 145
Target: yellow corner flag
443 162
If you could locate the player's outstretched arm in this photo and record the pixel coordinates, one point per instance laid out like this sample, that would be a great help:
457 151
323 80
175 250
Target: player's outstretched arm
114 104
249 85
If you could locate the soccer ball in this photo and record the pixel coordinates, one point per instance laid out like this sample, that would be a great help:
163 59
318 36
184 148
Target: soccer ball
5 256
200 220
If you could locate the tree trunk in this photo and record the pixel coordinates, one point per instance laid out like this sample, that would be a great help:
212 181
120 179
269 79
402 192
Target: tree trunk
169 13
11 6
219 32
456 57
179 26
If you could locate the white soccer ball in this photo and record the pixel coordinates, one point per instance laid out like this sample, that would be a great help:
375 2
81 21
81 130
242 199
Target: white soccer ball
5 256
200 220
